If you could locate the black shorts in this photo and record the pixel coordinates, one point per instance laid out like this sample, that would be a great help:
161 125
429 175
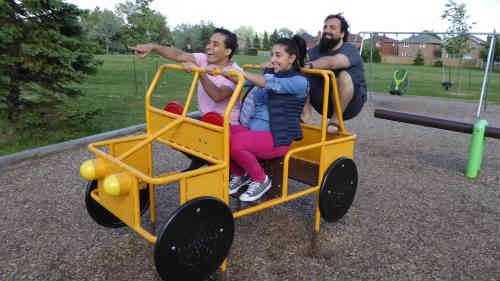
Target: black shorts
354 107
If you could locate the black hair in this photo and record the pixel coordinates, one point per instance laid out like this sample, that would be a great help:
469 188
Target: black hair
295 46
231 41
344 26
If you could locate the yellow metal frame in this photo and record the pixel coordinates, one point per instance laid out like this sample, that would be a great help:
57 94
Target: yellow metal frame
327 146
132 156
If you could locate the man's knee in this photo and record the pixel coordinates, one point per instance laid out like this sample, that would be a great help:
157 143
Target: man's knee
345 84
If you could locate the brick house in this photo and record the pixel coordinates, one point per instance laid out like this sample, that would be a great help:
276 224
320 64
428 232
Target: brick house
386 45
242 46
355 39
311 41
429 46
471 58
405 51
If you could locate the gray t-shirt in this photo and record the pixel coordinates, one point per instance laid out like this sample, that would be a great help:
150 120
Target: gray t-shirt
356 70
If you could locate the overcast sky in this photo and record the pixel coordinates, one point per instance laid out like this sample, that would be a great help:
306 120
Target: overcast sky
362 15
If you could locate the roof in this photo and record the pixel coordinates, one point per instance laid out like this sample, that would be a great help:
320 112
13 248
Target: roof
477 40
474 39
354 38
422 38
307 37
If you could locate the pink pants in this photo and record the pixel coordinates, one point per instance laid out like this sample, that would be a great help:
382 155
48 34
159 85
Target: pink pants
247 146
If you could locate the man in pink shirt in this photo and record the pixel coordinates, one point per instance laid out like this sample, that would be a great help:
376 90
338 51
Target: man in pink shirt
214 91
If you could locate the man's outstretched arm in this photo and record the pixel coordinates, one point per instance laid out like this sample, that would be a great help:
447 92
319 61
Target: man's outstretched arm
174 54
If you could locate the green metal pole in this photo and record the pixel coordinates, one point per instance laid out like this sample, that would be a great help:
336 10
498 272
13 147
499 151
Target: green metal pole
476 149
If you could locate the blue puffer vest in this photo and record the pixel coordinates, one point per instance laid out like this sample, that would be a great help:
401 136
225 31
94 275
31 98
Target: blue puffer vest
284 114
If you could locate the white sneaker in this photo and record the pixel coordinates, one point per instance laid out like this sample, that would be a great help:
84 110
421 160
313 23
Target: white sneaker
237 182
256 190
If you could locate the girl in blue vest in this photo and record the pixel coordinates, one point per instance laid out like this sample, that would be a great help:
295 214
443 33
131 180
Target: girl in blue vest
269 118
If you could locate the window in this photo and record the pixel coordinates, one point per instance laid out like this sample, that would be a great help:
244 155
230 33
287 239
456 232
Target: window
406 44
378 44
422 45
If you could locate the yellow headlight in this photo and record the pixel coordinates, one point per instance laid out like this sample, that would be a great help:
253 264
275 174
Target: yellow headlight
119 184
87 170
111 185
94 169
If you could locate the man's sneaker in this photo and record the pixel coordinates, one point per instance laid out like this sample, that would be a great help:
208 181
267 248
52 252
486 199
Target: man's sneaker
237 182
256 190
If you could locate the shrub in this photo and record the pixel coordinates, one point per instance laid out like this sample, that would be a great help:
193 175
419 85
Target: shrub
419 60
438 63
377 58
252 51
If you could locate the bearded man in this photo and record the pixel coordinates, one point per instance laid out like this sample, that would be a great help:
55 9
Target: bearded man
334 53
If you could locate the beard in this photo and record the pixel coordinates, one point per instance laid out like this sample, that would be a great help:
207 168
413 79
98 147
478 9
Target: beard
326 44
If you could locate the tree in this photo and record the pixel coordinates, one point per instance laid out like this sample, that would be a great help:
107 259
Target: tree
419 59
143 24
273 38
245 32
256 41
249 40
265 41
206 30
377 58
285 33
182 35
43 51
437 53
193 37
456 44
106 28
432 33
301 31
484 51
456 15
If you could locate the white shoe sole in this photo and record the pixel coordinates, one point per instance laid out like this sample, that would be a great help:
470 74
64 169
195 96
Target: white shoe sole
233 191
246 198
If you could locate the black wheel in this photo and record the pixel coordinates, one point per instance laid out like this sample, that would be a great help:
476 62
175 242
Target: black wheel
338 189
104 217
195 240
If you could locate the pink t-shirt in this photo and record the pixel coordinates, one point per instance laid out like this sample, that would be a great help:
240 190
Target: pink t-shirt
206 103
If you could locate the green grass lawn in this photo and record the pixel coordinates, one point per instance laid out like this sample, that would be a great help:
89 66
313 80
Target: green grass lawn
119 88
120 91
426 81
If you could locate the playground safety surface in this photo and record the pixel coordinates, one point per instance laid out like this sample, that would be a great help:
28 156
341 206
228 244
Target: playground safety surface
415 214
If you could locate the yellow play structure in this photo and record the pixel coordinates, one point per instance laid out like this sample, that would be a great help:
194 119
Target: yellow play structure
197 237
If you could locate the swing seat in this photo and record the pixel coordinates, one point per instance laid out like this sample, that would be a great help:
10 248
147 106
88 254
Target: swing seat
399 83
447 85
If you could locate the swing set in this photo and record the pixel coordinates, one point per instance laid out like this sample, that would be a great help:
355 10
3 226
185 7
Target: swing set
479 130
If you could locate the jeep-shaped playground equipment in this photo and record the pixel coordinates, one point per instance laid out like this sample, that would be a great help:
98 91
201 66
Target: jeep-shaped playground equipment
197 237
